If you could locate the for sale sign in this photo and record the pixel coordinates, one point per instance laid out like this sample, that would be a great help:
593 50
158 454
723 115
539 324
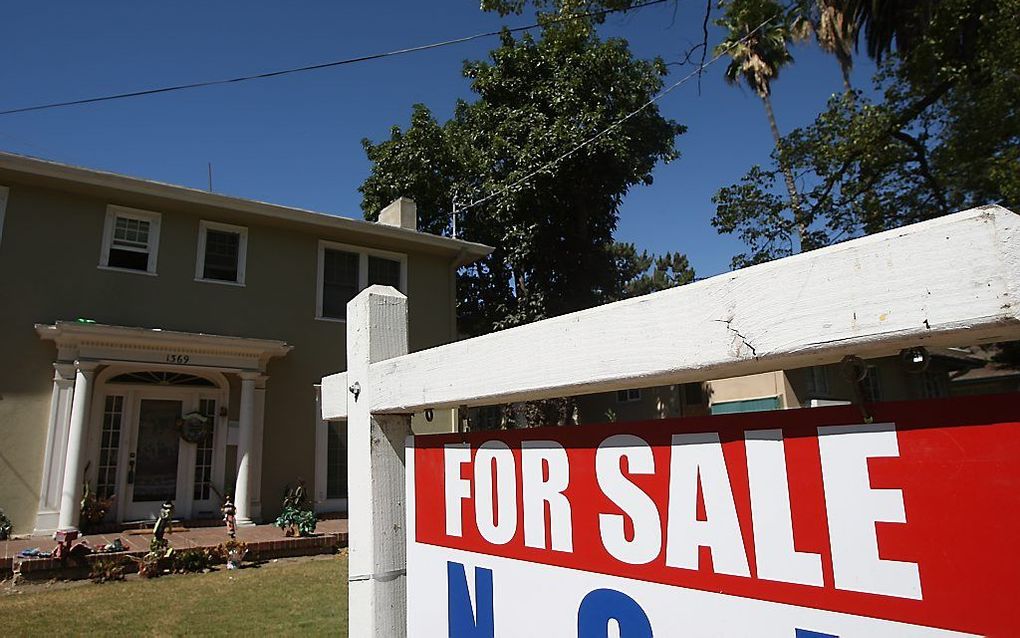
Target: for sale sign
793 524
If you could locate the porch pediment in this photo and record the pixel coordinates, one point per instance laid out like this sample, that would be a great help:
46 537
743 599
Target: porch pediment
76 340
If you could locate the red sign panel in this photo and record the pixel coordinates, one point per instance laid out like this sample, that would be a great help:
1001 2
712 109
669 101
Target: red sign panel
913 518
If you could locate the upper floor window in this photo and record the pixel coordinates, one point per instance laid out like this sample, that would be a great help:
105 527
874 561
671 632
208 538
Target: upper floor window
345 270
628 396
222 253
130 240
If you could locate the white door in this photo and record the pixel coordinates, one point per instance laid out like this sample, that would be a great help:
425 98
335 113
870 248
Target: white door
158 461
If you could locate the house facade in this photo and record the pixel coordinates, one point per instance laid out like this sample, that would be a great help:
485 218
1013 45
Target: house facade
164 343
887 379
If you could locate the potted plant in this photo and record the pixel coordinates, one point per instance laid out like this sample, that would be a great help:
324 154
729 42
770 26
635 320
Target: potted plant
5 526
233 551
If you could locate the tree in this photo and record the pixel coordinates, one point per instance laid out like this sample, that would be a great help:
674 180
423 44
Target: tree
944 135
559 7
643 273
549 214
834 29
757 32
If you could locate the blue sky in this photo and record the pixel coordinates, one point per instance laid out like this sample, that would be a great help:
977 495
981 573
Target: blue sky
295 140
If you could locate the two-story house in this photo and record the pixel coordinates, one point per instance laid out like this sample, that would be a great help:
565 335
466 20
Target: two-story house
164 343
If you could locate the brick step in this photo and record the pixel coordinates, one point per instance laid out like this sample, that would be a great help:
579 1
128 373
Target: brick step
41 569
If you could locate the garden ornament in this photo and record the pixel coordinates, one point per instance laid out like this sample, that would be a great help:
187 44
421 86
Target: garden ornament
163 523
229 513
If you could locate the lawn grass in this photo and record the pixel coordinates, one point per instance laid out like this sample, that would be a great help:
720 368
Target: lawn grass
305 597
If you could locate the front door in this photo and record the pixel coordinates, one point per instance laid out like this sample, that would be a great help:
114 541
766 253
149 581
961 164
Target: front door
155 466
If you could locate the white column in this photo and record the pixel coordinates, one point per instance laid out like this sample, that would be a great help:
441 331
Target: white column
55 457
255 481
71 490
321 453
376 330
246 427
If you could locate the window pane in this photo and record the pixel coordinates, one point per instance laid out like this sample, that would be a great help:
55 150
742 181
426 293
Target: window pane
109 447
131 233
383 271
221 255
204 453
130 246
129 259
339 282
625 396
694 394
158 445
336 461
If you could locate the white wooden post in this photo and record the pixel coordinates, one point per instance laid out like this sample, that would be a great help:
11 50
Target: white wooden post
949 281
376 330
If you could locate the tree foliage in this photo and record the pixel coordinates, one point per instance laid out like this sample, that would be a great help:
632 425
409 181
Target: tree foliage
944 136
756 35
552 230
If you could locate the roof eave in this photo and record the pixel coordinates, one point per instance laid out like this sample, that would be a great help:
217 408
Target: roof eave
101 179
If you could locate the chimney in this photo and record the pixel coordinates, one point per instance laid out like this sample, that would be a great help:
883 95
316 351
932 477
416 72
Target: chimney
402 212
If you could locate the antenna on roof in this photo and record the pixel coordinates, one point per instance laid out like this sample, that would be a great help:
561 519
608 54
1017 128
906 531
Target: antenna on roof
210 176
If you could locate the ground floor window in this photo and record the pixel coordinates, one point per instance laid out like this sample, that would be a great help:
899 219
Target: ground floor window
109 446
336 461
204 452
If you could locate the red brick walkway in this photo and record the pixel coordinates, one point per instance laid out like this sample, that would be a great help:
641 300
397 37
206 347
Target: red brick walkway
264 541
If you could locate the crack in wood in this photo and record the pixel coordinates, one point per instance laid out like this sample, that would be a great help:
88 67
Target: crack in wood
729 326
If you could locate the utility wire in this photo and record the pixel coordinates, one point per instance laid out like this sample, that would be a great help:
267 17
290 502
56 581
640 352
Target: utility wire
323 65
693 74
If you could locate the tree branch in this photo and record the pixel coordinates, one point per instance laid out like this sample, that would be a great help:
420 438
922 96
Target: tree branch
921 156
895 126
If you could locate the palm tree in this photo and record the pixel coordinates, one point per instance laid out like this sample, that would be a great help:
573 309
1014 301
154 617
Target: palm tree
757 32
834 29
888 22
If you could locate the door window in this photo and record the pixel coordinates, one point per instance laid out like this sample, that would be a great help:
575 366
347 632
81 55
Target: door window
156 455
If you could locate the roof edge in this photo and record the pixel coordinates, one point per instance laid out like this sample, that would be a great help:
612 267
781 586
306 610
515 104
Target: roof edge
464 252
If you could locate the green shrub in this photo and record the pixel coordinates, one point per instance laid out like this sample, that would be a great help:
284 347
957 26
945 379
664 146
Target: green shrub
296 521
105 569
197 559
5 526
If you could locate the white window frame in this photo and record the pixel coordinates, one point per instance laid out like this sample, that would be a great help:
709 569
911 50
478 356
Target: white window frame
363 255
323 504
4 194
242 251
630 395
112 213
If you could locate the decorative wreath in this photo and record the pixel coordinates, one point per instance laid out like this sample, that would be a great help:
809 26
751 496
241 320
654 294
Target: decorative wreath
194 427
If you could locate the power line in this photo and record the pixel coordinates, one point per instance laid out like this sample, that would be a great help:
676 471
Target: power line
322 65
696 73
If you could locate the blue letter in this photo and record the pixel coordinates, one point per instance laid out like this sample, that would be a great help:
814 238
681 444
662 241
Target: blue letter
464 621
804 633
602 604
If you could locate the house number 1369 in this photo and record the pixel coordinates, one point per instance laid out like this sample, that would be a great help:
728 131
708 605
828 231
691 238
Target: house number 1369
177 358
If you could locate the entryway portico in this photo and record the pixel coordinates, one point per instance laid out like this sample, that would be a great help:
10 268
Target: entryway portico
144 415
